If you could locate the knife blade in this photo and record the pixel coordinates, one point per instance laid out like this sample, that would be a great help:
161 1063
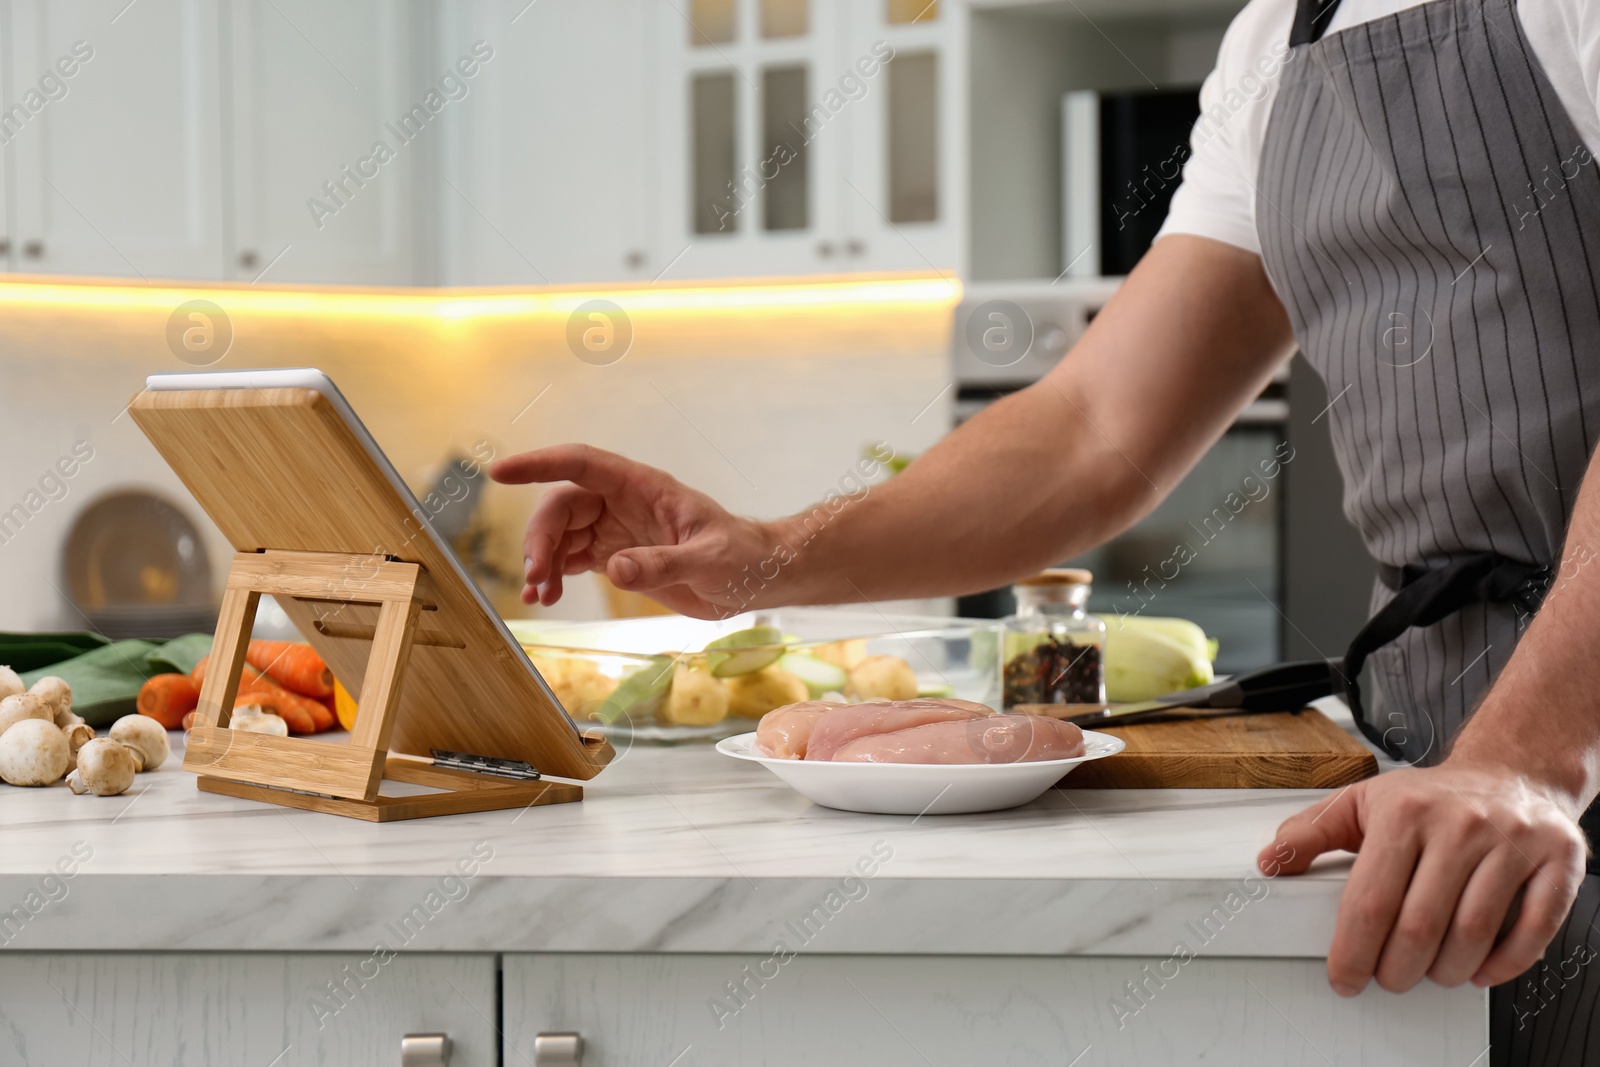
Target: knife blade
1283 687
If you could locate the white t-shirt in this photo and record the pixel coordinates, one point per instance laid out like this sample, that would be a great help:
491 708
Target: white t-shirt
1217 198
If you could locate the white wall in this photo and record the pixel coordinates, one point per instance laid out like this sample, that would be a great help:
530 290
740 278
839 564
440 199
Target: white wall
765 414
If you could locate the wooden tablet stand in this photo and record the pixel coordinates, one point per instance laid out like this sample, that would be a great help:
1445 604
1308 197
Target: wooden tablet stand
341 779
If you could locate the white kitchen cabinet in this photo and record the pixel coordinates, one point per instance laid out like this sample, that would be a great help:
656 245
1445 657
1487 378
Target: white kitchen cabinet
188 1010
905 203
548 170
777 150
7 209
331 140
739 194
811 1009
113 138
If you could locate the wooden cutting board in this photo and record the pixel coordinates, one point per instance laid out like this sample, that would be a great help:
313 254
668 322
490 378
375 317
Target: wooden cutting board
1285 750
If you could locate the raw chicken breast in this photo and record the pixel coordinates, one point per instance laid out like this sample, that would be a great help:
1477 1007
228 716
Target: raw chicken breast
844 724
785 732
996 739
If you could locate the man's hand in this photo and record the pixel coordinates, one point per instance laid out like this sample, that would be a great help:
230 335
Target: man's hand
1443 855
643 528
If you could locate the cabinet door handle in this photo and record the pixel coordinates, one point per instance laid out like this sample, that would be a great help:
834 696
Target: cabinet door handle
824 249
854 247
33 249
558 1050
425 1050
248 259
5 246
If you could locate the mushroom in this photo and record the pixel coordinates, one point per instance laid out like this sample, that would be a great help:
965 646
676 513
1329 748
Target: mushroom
146 736
251 719
24 705
78 734
33 752
105 768
10 683
56 693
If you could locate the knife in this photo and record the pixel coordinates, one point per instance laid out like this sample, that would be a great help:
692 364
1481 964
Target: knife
1284 687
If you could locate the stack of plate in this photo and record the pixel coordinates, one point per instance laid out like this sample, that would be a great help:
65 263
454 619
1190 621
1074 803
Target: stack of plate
135 566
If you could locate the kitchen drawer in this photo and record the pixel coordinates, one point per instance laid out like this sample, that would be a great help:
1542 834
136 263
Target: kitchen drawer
181 1009
663 1010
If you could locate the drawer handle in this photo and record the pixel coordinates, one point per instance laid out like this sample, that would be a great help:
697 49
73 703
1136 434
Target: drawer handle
425 1050
558 1050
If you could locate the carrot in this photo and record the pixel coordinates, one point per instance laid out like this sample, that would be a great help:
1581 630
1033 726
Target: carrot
312 715
294 666
290 711
167 697
321 714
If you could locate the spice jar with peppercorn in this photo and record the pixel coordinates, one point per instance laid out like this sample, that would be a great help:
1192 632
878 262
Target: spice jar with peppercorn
1054 651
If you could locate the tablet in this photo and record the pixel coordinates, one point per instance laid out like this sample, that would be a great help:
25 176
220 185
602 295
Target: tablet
280 461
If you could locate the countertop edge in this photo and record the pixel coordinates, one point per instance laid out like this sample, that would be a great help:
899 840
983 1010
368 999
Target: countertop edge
1258 917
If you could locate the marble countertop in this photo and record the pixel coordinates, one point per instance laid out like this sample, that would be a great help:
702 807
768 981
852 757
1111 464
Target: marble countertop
672 850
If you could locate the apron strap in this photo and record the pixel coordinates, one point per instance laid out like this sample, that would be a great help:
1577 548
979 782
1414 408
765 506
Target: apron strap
1311 18
1426 597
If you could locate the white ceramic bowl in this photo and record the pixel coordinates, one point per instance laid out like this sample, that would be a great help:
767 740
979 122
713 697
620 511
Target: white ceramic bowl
920 788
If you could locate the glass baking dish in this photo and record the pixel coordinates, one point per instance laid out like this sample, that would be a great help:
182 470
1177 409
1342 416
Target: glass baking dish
654 681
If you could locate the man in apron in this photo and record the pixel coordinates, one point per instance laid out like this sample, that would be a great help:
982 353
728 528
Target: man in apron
1406 191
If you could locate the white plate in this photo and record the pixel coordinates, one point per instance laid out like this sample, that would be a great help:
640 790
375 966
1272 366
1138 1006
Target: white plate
920 788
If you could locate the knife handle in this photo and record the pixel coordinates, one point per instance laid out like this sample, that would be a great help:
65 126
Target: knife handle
1289 686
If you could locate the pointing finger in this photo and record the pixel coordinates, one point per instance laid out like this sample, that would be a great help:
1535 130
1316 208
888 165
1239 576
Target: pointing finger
585 465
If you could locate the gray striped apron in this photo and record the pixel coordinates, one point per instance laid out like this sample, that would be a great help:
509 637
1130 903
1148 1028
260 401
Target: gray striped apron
1430 219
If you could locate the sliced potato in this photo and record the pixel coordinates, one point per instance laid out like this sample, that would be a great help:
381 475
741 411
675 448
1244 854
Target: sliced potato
751 696
845 654
883 678
695 699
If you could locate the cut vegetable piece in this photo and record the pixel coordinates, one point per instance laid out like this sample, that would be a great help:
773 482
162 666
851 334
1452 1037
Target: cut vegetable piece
847 653
1142 664
751 696
935 690
819 675
744 652
695 699
883 678
638 697
1187 634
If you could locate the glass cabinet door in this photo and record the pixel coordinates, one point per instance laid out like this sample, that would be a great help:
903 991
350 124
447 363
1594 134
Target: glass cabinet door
752 187
817 136
905 181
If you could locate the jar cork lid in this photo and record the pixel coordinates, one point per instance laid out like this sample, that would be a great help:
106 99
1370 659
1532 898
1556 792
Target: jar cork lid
1058 576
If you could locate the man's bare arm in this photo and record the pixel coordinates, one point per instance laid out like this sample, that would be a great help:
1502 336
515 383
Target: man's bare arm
1071 461
1192 336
